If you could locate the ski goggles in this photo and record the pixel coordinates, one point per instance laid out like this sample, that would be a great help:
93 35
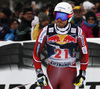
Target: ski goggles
62 16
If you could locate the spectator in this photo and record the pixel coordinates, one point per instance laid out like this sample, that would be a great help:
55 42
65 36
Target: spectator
78 16
35 21
82 8
33 5
5 14
3 31
90 27
97 4
35 8
89 6
24 28
71 3
48 6
17 9
98 18
20 16
51 16
43 21
11 35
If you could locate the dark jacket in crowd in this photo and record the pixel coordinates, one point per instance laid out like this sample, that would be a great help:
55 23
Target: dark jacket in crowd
5 21
24 30
3 31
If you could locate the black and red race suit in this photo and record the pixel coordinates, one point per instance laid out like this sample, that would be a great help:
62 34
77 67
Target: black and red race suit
61 48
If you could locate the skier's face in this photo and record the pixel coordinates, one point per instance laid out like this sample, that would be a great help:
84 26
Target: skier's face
61 19
60 23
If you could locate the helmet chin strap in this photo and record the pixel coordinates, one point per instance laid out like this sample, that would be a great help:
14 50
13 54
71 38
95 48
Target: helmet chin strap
64 30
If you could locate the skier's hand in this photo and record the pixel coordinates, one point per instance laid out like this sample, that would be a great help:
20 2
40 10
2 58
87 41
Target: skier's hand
41 78
79 80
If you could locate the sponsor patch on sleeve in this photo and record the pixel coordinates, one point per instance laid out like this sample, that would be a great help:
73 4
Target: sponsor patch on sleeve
40 40
51 29
73 30
84 50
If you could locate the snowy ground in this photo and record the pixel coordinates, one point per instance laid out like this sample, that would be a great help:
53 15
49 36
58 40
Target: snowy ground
25 76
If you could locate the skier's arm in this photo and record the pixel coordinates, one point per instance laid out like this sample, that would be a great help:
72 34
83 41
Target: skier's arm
84 50
40 42
79 80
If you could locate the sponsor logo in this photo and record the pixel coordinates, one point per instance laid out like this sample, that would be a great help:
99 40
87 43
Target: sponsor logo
40 40
59 64
61 8
84 50
54 38
73 30
51 30
62 39
38 48
69 39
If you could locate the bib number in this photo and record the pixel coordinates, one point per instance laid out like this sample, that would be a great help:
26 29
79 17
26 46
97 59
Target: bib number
61 53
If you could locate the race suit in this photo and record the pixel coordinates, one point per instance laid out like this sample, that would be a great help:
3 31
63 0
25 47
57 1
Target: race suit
61 48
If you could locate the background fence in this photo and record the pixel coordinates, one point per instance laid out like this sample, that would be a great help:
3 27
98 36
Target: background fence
21 54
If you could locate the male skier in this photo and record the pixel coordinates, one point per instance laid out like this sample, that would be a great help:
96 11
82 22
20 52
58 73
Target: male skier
61 39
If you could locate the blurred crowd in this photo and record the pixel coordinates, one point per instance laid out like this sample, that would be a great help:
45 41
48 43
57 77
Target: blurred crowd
25 23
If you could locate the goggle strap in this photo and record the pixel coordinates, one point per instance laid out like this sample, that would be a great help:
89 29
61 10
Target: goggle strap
70 15
54 13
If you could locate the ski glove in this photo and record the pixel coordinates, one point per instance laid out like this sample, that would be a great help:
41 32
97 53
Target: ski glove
79 80
41 78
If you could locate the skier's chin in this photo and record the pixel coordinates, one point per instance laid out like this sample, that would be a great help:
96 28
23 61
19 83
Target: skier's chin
60 25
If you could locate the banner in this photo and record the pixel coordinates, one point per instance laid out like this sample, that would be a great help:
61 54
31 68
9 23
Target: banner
16 64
